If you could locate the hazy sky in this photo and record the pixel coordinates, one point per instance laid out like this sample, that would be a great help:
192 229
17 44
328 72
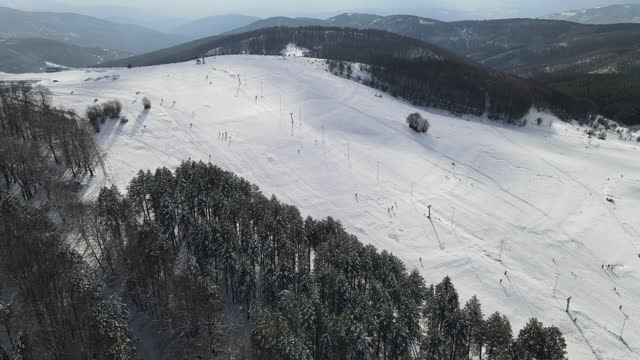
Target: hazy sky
192 8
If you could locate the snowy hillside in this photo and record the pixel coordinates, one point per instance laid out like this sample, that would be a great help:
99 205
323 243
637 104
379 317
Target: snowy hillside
531 202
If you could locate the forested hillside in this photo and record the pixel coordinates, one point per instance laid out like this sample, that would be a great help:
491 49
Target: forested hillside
525 47
528 47
615 95
32 55
323 42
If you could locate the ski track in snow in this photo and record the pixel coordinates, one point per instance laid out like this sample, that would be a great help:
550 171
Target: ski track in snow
539 191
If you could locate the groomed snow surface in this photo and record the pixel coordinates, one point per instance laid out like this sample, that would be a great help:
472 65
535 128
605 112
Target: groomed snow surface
537 193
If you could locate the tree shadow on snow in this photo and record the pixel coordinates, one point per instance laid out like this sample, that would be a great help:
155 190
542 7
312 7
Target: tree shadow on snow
140 121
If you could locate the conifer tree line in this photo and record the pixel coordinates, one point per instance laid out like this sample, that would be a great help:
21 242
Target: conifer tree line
613 95
39 142
191 244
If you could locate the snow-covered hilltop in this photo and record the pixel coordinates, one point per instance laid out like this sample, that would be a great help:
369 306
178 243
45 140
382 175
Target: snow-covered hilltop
519 214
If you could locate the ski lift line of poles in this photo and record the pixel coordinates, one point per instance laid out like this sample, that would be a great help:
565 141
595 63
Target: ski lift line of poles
377 162
323 141
378 172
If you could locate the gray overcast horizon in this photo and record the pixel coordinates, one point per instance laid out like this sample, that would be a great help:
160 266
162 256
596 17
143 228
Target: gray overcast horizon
454 9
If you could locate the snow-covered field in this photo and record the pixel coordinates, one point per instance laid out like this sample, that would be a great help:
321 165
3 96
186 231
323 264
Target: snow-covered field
530 201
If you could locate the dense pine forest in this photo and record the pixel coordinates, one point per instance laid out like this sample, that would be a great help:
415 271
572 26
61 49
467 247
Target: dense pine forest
612 95
225 271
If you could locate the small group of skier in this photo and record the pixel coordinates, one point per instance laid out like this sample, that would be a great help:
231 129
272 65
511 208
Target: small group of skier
222 135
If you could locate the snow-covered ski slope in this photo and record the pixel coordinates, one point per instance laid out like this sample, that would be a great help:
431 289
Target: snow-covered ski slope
537 193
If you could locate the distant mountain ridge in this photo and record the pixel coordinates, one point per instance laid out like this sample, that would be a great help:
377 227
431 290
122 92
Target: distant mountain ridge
612 14
81 30
282 21
346 20
32 54
213 25
527 47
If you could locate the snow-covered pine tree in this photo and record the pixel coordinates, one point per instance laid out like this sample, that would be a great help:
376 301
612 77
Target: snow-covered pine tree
474 322
538 342
497 336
